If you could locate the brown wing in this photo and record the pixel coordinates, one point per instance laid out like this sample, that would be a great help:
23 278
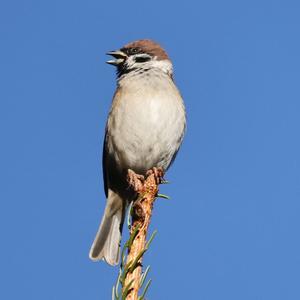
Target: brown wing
104 165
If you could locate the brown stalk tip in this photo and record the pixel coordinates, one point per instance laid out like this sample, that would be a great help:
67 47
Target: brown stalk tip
142 211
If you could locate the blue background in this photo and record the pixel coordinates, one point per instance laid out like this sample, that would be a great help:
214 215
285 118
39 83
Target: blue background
231 230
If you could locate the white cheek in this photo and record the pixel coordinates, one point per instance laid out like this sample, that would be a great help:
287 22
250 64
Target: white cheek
164 65
130 62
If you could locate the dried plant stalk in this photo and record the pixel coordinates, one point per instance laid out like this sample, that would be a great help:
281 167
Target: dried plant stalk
141 216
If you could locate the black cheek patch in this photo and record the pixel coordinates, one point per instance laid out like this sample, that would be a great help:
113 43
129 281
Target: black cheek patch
140 59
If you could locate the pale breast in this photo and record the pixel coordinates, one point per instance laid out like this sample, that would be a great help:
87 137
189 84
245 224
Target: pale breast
146 124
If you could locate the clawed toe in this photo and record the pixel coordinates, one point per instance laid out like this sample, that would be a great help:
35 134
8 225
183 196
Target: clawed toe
158 174
135 180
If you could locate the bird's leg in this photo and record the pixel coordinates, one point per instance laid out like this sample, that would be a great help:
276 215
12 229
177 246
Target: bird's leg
158 174
135 180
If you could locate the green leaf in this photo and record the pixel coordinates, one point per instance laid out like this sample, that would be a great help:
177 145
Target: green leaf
151 239
126 290
133 236
163 196
165 181
129 214
136 260
144 276
145 290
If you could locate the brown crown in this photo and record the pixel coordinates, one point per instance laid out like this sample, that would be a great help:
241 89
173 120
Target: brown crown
149 47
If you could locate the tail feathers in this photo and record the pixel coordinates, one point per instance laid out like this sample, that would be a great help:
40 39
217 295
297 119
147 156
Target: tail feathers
107 242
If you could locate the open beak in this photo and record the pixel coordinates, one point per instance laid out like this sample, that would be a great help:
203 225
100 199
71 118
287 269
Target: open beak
119 55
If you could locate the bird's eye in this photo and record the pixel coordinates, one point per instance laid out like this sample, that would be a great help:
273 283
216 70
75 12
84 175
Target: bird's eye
132 51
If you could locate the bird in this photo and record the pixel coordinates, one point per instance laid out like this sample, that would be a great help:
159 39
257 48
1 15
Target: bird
144 131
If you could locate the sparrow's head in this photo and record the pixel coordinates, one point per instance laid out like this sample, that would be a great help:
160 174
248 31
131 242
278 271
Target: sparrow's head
141 55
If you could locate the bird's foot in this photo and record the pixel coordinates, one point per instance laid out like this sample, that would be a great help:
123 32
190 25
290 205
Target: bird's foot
158 174
135 180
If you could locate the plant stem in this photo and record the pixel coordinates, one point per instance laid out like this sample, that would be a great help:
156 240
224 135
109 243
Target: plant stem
141 216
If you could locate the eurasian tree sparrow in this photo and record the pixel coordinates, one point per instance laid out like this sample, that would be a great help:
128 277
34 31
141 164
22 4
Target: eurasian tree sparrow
144 130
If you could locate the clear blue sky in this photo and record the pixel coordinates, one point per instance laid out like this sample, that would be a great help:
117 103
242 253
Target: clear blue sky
231 230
